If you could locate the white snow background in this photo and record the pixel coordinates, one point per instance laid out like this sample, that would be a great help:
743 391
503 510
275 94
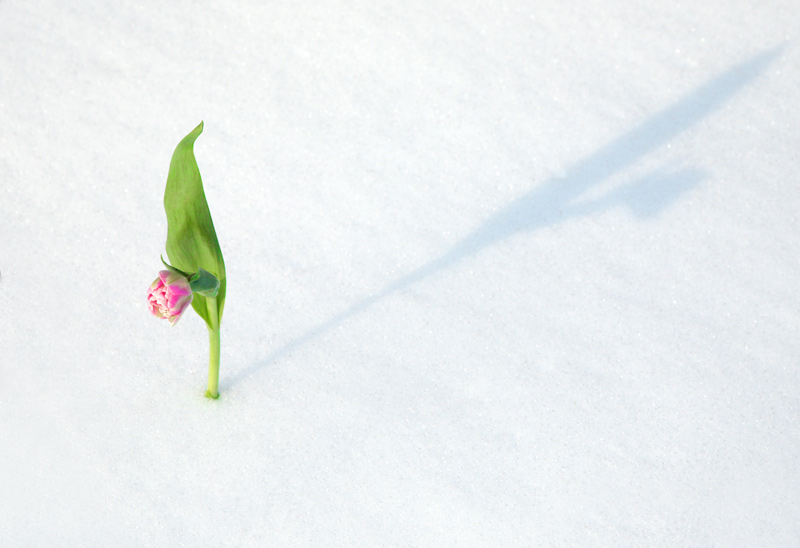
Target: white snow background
500 274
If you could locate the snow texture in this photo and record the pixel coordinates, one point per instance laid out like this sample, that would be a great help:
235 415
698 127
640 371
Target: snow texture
501 274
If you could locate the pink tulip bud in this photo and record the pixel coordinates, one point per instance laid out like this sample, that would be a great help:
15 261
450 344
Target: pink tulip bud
169 296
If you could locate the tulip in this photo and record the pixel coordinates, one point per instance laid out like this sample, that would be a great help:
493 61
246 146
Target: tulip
197 273
169 296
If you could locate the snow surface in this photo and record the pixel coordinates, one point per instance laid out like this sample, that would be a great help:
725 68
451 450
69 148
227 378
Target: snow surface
500 274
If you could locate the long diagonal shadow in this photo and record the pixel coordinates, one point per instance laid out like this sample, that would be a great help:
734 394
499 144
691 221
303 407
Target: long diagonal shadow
535 209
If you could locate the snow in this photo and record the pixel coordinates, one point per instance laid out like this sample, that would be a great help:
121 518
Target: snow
500 274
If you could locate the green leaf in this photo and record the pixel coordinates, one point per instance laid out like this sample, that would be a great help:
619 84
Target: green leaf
191 239
173 269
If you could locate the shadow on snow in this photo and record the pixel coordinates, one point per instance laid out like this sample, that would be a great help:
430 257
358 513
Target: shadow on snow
558 199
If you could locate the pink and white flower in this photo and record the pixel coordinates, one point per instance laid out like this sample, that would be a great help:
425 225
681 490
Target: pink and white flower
169 296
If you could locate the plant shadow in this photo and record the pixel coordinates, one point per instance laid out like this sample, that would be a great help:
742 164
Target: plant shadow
560 198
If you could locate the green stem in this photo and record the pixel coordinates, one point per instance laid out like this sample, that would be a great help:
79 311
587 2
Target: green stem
213 353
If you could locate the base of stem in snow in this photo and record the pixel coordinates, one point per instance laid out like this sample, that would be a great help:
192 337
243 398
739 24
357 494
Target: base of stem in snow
213 363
